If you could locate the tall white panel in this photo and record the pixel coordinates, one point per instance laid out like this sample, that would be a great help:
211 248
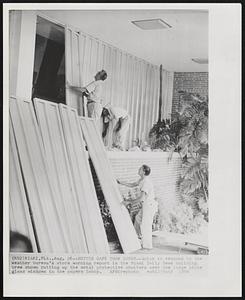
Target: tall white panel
121 219
56 154
41 195
20 219
83 182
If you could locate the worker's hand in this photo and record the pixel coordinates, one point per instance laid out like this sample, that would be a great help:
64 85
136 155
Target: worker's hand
125 202
83 89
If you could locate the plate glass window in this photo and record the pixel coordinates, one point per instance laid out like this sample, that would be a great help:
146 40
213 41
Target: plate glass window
49 63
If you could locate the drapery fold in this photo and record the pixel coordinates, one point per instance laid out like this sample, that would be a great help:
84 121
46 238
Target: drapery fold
132 83
167 94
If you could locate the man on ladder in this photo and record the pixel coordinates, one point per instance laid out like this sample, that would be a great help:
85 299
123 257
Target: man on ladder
122 119
93 92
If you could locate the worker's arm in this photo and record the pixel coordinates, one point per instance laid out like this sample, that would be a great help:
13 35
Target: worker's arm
77 88
97 101
128 184
110 117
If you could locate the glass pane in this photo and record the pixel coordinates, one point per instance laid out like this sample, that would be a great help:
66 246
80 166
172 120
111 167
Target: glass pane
49 63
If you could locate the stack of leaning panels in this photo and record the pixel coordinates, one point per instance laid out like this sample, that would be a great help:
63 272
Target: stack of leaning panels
52 195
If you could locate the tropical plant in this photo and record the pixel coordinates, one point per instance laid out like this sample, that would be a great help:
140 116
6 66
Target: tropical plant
164 135
193 148
188 135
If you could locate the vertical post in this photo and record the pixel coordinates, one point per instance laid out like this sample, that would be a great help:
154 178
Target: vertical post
14 43
22 52
160 97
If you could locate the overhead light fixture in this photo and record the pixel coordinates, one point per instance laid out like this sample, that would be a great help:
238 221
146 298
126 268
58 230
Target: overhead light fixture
151 24
200 60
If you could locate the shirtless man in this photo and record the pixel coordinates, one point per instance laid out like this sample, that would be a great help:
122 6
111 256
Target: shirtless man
121 127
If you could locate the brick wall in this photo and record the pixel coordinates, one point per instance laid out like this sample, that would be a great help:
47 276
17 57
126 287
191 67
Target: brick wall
193 82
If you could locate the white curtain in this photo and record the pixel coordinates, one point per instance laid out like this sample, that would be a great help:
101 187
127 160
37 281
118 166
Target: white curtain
132 83
167 93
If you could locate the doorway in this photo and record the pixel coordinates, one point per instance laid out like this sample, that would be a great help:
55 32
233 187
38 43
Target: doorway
49 62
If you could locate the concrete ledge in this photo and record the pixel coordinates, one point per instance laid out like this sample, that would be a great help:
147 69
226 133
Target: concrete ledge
140 155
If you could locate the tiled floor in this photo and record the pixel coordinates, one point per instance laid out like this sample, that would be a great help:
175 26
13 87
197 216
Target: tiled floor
160 246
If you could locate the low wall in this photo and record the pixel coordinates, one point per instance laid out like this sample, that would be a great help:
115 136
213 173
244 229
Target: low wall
164 173
174 215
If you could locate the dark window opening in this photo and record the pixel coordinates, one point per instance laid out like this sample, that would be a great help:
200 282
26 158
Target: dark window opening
112 237
49 62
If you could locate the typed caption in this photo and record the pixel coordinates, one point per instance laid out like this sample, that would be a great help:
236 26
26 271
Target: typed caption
99 264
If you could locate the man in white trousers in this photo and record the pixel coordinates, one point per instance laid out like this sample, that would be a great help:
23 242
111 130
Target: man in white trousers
144 219
121 127
93 92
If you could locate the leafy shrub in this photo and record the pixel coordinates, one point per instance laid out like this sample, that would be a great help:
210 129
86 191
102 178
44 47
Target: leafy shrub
164 135
178 217
187 134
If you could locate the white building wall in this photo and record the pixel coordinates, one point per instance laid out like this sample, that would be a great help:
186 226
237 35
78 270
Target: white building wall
132 83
